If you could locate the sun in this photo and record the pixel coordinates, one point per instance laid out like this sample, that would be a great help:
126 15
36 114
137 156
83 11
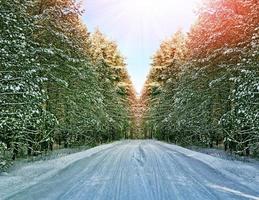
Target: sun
159 13
151 8
143 5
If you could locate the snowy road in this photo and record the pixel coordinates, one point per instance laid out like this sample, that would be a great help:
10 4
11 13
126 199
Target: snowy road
133 170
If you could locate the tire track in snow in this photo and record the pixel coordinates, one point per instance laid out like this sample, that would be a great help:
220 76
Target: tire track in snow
64 179
208 177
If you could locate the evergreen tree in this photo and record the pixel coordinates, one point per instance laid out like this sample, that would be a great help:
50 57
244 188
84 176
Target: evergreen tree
210 97
53 90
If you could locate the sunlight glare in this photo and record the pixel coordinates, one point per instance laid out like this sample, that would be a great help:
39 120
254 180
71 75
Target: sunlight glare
151 8
139 27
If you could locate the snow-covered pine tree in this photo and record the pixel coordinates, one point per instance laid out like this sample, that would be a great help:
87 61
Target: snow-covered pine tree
214 97
52 91
22 96
117 85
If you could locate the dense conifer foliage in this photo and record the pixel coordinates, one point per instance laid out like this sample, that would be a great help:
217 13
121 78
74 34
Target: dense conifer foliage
203 87
60 86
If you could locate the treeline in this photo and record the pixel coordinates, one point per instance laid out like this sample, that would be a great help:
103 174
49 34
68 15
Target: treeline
203 88
60 86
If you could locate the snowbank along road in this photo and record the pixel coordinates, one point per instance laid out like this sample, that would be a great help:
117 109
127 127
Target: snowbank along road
133 170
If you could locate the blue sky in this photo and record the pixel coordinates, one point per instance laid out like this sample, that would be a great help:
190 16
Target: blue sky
138 27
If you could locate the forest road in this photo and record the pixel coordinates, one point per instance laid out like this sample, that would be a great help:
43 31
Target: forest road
134 170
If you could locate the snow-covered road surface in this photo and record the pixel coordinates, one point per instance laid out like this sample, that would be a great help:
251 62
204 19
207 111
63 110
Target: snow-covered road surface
133 170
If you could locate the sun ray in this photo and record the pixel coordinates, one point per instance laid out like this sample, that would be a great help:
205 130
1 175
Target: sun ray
139 26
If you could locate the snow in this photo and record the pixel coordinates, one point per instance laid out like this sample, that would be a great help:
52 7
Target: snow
133 170
220 153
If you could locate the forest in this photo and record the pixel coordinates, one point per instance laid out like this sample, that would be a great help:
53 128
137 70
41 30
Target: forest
62 86
203 87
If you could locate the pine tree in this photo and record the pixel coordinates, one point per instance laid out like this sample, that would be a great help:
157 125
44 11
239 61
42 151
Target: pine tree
22 96
210 97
